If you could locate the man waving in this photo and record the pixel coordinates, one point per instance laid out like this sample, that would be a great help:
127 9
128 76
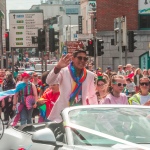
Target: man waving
76 83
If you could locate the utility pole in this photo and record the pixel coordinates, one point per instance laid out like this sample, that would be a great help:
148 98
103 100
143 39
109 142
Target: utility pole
120 36
120 41
1 41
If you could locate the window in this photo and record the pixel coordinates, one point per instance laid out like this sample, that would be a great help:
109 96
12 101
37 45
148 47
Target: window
144 21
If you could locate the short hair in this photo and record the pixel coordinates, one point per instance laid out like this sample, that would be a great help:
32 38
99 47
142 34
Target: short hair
76 52
129 65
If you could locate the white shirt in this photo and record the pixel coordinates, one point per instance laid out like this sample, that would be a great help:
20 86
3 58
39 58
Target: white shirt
144 99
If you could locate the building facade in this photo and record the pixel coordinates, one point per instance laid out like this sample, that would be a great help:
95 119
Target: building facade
138 20
3 9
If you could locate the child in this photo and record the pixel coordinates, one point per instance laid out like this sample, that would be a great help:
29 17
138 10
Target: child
116 96
130 87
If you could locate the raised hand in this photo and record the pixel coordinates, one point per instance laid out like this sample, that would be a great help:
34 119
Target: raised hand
147 103
64 61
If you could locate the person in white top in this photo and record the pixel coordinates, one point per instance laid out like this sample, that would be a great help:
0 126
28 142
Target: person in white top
120 70
75 82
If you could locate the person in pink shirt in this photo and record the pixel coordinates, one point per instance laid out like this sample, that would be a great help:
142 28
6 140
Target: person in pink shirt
116 96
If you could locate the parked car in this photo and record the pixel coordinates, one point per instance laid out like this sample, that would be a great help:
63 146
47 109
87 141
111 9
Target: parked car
21 70
99 127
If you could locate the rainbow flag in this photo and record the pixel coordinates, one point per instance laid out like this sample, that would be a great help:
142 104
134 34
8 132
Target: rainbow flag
12 92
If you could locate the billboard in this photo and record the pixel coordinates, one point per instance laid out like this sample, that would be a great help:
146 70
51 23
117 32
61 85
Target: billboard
91 6
24 24
144 6
74 45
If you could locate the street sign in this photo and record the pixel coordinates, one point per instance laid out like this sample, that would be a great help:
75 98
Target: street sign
24 25
144 61
74 45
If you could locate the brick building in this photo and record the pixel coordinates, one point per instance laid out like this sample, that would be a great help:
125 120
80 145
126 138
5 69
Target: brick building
138 20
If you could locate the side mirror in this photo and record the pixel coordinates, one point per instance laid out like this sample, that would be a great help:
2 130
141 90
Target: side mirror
44 136
1 128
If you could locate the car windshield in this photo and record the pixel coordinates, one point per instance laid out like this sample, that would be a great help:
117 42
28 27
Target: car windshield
131 124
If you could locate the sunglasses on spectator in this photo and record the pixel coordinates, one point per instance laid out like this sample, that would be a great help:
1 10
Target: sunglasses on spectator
82 58
118 68
144 83
120 84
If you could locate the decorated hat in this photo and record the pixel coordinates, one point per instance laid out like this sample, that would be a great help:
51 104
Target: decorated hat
25 74
99 76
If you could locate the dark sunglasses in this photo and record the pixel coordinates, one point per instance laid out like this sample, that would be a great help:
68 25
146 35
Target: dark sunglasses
144 83
118 68
35 76
120 84
82 58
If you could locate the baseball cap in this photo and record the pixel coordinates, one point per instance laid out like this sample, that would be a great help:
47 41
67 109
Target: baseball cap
25 74
109 67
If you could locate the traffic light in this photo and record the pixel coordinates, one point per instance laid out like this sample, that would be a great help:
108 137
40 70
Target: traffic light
131 41
41 39
90 47
20 55
7 40
53 41
100 47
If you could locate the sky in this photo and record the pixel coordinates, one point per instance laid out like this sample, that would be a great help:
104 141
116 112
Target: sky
19 5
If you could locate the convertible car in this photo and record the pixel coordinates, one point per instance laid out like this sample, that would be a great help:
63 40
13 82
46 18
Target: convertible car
99 127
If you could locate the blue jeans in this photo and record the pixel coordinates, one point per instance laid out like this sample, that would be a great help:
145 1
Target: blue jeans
26 116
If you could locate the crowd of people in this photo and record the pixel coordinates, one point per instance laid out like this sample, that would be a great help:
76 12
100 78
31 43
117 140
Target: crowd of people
73 82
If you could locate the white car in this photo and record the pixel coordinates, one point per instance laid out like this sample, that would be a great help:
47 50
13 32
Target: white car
92 127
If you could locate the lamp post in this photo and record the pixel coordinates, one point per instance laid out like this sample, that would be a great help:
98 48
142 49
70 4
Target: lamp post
1 40
70 26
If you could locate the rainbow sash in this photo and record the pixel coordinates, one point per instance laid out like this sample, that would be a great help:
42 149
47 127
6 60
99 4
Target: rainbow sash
77 84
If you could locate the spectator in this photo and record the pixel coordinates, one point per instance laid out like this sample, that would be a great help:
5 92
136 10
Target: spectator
129 69
108 71
116 96
138 75
130 87
49 97
44 84
7 103
145 73
120 70
38 83
16 72
102 87
69 73
143 97
29 91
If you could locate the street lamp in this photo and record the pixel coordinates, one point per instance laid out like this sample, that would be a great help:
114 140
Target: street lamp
70 26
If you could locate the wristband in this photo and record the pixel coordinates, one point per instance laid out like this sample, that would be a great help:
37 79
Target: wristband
14 104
